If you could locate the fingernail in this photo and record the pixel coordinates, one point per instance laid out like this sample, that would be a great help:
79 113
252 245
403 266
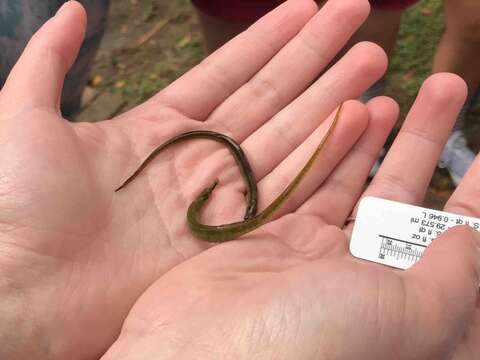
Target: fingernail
65 4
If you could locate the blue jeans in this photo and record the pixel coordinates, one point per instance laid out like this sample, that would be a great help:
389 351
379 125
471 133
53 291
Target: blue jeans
19 19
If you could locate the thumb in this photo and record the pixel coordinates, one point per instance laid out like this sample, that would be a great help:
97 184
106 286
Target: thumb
450 272
37 78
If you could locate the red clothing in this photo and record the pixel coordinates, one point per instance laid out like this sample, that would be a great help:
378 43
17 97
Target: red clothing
251 10
392 4
237 10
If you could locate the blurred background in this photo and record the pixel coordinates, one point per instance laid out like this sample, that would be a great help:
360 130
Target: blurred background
150 43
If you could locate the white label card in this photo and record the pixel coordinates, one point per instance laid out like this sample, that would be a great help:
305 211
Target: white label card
396 234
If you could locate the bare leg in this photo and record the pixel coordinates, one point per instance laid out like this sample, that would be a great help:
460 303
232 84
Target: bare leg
458 52
381 27
217 32
459 48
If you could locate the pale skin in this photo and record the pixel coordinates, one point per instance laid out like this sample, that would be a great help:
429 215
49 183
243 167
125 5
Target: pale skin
76 258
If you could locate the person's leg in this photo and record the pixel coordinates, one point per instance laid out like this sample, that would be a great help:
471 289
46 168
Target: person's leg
217 31
458 52
222 20
459 47
381 26
19 19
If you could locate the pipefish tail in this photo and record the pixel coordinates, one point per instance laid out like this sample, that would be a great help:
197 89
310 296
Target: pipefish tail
221 233
235 149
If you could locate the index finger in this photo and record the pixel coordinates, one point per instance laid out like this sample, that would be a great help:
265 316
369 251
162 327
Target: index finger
408 167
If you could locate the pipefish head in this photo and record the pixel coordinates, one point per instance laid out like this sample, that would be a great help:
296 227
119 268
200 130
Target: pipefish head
205 194
195 207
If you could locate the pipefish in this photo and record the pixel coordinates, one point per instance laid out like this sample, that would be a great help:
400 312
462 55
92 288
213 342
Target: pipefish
226 232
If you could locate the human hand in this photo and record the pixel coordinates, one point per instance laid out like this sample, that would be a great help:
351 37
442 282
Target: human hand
291 290
74 255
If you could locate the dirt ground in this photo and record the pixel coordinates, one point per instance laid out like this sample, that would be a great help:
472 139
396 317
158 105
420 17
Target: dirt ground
149 43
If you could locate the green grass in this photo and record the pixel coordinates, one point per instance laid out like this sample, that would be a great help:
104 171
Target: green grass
139 71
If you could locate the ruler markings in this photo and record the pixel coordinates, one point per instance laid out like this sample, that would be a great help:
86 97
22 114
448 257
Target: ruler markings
387 232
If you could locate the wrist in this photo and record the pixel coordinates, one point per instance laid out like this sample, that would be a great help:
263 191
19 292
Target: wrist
19 336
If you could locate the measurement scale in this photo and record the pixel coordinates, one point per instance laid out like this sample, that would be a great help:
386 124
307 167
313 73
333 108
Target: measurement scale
396 234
